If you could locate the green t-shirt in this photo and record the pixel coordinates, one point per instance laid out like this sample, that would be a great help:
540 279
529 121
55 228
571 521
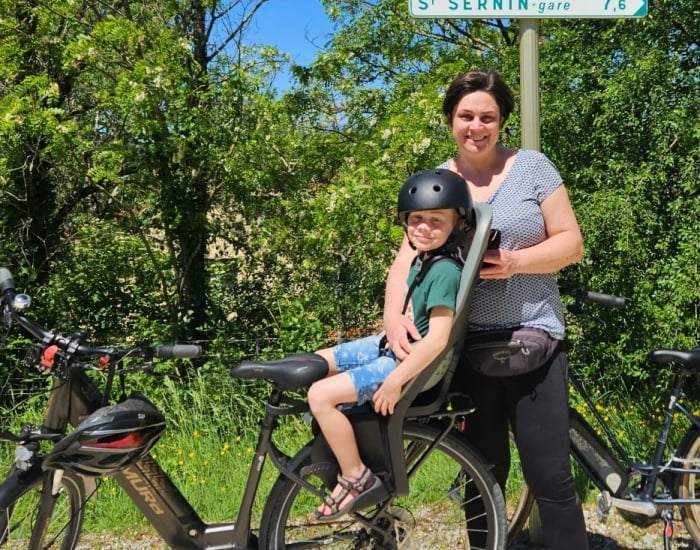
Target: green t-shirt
438 288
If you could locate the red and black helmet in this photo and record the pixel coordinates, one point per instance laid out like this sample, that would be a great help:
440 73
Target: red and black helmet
110 439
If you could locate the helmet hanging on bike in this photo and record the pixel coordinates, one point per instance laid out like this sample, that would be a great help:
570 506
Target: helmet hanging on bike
436 190
110 439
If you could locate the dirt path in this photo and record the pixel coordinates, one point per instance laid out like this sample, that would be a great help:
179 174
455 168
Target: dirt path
618 534
615 534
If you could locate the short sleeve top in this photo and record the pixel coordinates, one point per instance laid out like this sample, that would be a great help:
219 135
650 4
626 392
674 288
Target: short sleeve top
438 288
524 299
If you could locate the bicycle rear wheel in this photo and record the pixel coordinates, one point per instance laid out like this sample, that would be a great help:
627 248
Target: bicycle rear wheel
38 519
454 502
687 485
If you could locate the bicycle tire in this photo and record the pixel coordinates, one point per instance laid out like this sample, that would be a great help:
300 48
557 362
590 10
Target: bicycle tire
687 485
434 493
35 522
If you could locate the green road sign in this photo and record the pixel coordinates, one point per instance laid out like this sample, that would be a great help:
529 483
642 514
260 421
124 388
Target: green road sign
528 9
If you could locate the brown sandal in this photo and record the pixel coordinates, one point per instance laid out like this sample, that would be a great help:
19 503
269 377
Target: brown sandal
362 488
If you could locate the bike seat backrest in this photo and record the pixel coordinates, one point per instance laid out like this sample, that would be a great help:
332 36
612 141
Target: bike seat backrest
440 371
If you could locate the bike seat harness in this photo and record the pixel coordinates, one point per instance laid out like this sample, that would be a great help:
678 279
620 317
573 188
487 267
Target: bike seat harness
428 260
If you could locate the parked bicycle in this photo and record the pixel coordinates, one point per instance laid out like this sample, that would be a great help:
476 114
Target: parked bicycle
425 466
641 492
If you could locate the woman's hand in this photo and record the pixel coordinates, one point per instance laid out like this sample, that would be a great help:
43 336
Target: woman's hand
499 264
398 329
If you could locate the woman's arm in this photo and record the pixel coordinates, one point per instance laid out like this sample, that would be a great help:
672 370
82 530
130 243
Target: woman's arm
563 245
397 326
425 351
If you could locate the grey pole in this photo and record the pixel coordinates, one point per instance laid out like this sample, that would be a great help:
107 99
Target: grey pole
530 84
530 139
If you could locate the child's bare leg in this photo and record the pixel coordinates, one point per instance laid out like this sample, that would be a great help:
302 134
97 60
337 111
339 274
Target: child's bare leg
324 397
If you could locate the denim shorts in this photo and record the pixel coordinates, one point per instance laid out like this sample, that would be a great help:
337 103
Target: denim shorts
366 365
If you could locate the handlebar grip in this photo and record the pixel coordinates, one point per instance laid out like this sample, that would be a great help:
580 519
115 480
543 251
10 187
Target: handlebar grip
178 351
606 299
6 280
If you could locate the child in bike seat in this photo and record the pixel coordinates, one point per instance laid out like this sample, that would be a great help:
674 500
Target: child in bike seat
435 209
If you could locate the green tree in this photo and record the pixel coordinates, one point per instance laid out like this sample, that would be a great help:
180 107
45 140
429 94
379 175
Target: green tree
116 111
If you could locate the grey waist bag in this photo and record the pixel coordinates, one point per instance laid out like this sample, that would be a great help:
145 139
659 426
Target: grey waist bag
508 352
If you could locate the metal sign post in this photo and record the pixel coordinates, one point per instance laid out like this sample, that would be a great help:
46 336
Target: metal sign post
529 84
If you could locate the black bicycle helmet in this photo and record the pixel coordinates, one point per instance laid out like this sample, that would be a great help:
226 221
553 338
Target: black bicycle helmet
435 190
110 439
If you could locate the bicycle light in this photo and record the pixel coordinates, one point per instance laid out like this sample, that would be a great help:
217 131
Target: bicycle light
20 302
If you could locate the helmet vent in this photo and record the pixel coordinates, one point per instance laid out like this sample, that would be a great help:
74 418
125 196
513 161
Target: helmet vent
129 441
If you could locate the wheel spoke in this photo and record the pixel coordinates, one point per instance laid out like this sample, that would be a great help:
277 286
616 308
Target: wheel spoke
35 520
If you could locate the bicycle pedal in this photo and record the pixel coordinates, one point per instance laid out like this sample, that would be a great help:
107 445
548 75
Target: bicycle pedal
604 506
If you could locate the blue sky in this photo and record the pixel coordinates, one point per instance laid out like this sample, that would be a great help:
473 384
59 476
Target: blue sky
296 27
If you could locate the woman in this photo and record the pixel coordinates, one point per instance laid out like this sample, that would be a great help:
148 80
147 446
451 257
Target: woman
539 236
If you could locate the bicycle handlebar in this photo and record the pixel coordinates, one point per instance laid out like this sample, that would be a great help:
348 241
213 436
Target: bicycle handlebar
72 344
608 300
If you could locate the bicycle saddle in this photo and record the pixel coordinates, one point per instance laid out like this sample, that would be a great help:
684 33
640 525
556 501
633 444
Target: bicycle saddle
288 373
690 358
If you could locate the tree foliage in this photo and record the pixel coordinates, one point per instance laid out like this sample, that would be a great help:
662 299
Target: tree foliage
156 183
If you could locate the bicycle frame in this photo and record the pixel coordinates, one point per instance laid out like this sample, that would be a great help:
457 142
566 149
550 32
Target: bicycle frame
152 490
171 515
610 471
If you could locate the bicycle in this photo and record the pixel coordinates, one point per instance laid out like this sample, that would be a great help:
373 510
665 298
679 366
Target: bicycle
425 466
644 492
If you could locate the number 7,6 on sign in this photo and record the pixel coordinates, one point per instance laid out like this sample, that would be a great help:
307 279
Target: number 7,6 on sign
528 9
614 5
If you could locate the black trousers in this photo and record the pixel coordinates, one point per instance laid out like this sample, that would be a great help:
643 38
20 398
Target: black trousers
535 405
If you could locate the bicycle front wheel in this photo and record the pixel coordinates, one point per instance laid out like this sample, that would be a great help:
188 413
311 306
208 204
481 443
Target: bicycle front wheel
687 484
37 518
454 502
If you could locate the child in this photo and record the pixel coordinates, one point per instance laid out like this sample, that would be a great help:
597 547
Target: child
435 210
